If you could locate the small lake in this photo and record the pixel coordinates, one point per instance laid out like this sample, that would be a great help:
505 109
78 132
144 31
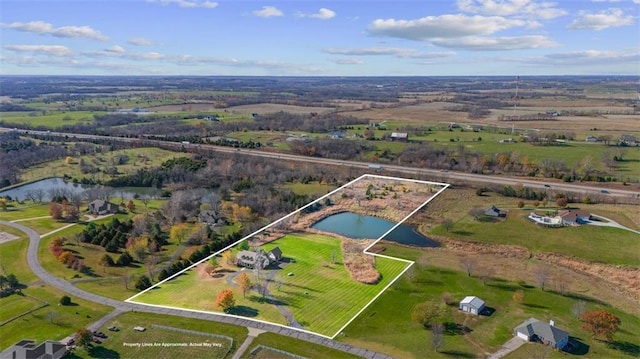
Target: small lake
51 185
359 226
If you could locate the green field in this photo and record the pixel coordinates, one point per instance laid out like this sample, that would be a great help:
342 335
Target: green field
13 256
599 244
53 322
52 119
23 211
293 346
386 325
322 297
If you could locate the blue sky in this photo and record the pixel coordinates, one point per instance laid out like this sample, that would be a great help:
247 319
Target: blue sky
320 38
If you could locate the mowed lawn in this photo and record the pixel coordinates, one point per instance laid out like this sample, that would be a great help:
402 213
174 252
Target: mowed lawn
600 244
13 256
321 296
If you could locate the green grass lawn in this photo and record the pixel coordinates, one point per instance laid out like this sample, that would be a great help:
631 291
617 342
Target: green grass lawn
113 346
600 244
293 346
39 324
321 297
22 211
15 305
13 256
43 225
386 325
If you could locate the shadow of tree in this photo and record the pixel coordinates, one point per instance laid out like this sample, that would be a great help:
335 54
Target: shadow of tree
632 349
531 305
457 354
102 352
244 311
451 328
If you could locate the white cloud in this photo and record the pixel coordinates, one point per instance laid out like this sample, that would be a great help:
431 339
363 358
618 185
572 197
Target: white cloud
349 61
399 52
479 43
587 57
612 1
187 3
53 50
322 14
636 1
443 26
601 20
268 11
521 8
45 28
139 41
116 49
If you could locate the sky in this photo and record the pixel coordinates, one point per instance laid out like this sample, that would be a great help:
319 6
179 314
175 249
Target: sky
320 38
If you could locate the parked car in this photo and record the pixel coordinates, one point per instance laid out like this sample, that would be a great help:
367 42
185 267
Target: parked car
139 328
97 341
100 334
114 329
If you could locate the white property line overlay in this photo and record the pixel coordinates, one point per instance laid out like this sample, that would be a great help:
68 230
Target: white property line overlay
366 250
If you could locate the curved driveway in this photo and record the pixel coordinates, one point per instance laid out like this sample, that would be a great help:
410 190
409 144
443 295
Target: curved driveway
46 277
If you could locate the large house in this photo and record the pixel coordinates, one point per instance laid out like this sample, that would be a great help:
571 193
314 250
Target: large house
471 304
572 217
100 207
27 349
211 218
259 259
534 330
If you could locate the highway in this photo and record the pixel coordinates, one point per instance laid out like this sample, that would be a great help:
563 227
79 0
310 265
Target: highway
435 175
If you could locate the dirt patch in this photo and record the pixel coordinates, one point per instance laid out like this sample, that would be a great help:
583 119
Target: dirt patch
6 237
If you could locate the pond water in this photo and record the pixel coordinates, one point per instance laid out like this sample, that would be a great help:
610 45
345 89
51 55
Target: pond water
359 226
57 184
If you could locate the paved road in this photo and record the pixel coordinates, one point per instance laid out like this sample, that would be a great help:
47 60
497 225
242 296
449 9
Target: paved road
442 176
46 277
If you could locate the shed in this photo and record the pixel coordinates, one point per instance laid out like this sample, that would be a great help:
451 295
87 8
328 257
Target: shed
399 136
472 304
494 211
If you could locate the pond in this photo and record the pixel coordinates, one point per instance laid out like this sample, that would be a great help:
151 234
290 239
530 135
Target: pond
359 226
49 186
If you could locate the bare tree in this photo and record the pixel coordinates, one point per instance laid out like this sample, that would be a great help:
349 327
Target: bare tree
422 262
485 273
152 261
468 264
578 308
542 276
51 316
437 336
447 224
411 273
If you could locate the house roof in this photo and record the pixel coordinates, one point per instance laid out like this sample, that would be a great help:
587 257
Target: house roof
473 301
399 134
546 331
276 251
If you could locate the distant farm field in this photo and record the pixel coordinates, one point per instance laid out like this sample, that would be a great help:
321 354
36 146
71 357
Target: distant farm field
263 108
51 119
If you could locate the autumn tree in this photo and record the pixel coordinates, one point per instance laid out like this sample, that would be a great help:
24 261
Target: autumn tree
55 211
245 283
131 206
229 257
83 338
561 202
518 296
600 323
225 300
178 232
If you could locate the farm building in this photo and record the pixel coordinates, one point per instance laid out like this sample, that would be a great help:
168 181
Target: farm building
534 330
101 207
400 136
471 304
494 211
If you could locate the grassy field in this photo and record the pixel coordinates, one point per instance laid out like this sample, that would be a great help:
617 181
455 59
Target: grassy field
50 322
13 256
599 244
17 305
119 344
312 189
43 225
293 346
407 339
321 297
52 119
23 211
